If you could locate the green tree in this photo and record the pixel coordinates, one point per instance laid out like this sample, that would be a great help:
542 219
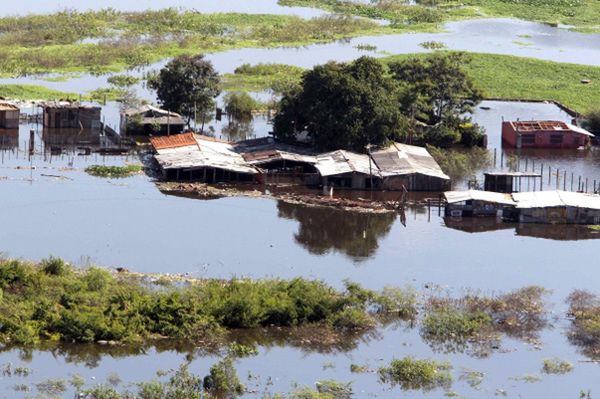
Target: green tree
343 106
187 85
436 89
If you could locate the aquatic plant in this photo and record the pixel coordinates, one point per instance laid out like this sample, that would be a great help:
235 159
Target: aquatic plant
415 374
557 366
584 332
113 171
223 381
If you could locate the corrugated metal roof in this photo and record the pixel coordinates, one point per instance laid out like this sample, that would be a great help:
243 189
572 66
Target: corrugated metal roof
403 159
206 152
554 199
8 107
261 157
174 141
453 197
341 162
547 126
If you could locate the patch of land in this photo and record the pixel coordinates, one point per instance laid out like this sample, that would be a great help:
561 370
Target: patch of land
581 15
498 76
108 41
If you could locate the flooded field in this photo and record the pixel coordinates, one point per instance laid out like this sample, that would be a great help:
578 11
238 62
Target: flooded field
50 206
248 7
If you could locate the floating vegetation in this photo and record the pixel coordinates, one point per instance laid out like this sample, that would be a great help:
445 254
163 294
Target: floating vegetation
529 378
472 377
557 366
414 374
474 321
433 45
334 389
359 368
51 387
584 308
114 171
365 47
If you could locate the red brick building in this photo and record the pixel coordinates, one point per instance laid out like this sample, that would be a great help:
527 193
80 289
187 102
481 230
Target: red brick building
544 134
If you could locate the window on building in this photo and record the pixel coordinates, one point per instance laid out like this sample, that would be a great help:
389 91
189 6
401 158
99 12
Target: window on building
528 139
556 139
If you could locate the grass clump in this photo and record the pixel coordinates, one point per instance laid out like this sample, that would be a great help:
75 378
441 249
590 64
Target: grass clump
275 77
584 332
453 324
415 374
113 171
38 303
32 92
223 381
557 366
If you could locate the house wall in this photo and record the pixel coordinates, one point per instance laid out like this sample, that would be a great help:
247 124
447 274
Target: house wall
477 208
64 118
9 119
415 182
357 181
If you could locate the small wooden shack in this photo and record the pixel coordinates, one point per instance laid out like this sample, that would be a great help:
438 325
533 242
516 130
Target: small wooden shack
71 115
509 182
344 169
9 116
479 203
147 119
544 134
409 167
199 158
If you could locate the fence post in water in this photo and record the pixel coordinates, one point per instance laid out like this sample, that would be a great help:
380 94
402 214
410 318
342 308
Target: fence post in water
579 184
501 159
549 176
565 181
586 184
495 149
557 177
440 197
31 142
572 178
526 164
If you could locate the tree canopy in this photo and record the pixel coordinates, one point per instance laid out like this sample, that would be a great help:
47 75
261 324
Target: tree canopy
186 85
363 102
343 106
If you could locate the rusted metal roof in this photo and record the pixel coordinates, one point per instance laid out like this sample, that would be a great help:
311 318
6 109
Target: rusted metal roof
174 141
261 157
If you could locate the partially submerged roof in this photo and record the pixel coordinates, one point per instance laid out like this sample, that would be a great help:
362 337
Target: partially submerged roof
341 162
151 114
556 199
513 174
453 197
266 156
403 159
4 106
68 105
547 126
205 152
174 141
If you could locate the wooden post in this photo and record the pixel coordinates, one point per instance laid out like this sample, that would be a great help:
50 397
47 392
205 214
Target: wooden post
495 149
579 184
557 177
565 182
572 179
549 176
586 184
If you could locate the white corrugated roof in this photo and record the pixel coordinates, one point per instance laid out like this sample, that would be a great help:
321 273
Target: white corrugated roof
403 159
552 199
478 195
341 162
208 153
579 130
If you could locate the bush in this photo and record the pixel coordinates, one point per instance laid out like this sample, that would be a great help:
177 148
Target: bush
54 266
414 374
223 381
239 105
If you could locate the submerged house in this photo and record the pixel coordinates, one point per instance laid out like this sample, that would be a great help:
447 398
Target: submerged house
479 203
344 169
411 167
556 207
193 157
9 116
71 115
148 119
553 207
544 134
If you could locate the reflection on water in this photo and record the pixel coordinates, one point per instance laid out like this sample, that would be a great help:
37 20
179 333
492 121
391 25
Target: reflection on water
323 230
560 232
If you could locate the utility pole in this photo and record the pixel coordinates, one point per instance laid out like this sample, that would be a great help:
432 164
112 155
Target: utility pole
368 148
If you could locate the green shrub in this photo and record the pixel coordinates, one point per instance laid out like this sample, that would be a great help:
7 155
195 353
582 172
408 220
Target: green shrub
54 266
414 374
223 381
